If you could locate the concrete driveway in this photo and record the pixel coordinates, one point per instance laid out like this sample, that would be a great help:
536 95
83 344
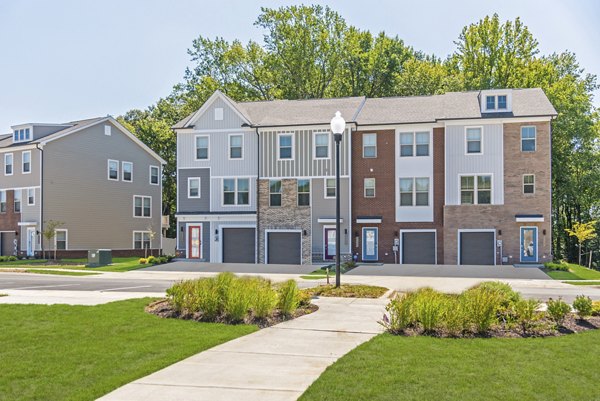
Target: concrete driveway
487 272
242 268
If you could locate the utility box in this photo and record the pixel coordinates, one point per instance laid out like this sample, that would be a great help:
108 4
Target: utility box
99 257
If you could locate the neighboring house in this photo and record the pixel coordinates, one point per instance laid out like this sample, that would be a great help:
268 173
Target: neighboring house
460 178
95 177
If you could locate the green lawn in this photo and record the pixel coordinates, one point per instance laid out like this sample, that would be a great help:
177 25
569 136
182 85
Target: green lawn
583 282
65 352
61 272
433 369
118 265
575 272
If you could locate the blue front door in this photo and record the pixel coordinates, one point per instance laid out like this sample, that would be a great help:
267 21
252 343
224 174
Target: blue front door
529 244
369 245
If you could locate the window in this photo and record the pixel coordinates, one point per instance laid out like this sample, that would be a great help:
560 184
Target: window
406 191
304 192
107 130
2 201
321 149
243 191
154 175
502 102
30 196
529 184
414 191
17 201
26 162
141 240
218 113
8 164
414 144
193 187
142 206
236 191
422 143
490 102
60 239
127 172
275 193
236 143
528 139
422 192
476 190
369 187
406 144
202 148
329 187
473 139
369 145
20 135
113 170
229 191
286 147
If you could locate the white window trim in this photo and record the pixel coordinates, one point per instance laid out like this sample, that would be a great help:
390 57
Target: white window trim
414 142
523 186
363 145
325 189
150 175
314 147
196 147
475 189
235 192
414 193
12 163
365 187
309 193
481 148
534 138
496 107
140 232
229 147
27 194
108 170
66 238
293 135
123 171
23 162
142 216
190 179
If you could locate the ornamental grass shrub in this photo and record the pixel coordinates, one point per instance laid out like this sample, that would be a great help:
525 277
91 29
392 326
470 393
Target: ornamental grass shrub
558 310
289 297
583 305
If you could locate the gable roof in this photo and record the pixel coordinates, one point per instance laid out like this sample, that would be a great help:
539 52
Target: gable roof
193 117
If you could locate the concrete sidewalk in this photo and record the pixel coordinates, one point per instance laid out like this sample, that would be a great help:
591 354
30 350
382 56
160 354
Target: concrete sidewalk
273 364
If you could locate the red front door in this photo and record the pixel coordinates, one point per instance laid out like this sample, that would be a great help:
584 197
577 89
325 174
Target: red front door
194 242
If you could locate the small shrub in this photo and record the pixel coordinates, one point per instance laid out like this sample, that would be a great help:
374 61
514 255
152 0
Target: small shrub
506 294
596 308
400 313
558 310
304 298
557 266
162 259
151 260
526 312
143 261
3 258
428 308
264 298
289 297
482 305
12 258
350 264
170 258
583 305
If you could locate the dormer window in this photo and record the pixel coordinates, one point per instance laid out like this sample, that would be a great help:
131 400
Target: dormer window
496 101
501 102
22 135
490 102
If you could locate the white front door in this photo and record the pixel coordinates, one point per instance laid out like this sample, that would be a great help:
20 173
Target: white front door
30 241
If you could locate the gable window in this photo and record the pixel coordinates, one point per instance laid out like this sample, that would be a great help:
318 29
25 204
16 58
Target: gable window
236 143
60 239
30 196
369 145
406 144
142 206
127 171
369 187
275 193
528 184
2 201
329 187
502 102
414 191
8 164
17 201
218 113
304 192
490 102
113 170
476 190
528 135
473 140
193 187
141 240
286 146
107 130
26 162
321 145
154 175
202 147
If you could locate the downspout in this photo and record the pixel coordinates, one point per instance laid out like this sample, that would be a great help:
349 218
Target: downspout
41 149
257 197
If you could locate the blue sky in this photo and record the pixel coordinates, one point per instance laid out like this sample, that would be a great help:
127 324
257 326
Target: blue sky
63 60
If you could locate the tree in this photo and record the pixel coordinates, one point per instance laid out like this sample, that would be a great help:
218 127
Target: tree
49 231
151 236
583 232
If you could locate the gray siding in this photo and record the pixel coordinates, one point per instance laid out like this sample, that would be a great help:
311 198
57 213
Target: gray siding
40 131
230 118
18 179
216 199
98 213
325 208
186 204
489 162
303 164
183 235
29 214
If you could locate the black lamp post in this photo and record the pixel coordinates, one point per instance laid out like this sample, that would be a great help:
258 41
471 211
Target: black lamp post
338 126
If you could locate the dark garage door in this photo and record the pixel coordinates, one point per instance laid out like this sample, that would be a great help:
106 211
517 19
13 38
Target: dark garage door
7 244
239 245
418 248
477 248
283 248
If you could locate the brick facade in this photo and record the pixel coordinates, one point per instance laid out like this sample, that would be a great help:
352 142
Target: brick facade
9 223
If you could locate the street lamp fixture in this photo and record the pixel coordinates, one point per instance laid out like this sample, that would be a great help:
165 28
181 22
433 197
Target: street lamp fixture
338 126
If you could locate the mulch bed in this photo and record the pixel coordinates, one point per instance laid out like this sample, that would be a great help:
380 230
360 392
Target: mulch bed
163 308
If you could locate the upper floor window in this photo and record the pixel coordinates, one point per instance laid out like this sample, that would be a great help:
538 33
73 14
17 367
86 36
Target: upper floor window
142 206
236 191
369 187
202 147
8 164
406 144
414 191
473 140
528 136
60 239
304 192
321 150
193 187
369 145
30 196
17 200
2 201
330 188
127 171
154 175
502 102
476 190
414 144
22 135
113 170
141 240
26 162
275 193
528 184
285 150
236 144
490 102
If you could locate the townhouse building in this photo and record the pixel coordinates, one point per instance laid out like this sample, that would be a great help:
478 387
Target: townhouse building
459 178
93 176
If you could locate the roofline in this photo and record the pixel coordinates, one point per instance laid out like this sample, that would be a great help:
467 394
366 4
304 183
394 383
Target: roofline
41 125
294 125
456 119
208 102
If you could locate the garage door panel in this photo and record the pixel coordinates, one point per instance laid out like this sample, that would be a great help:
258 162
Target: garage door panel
239 245
284 248
477 248
418 248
